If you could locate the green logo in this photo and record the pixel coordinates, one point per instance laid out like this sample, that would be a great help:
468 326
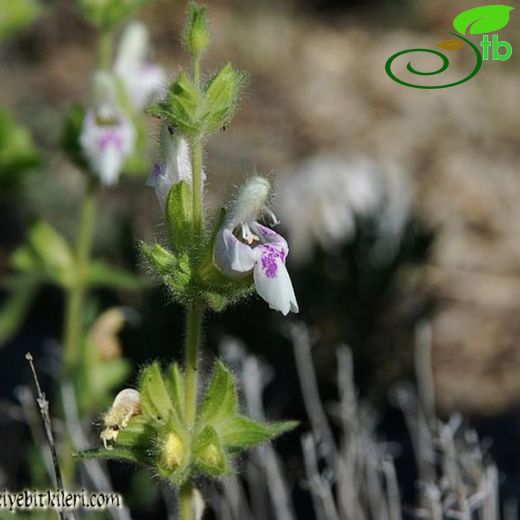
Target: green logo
479 20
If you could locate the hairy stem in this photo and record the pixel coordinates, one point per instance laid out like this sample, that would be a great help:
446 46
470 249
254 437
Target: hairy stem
195 311
193 333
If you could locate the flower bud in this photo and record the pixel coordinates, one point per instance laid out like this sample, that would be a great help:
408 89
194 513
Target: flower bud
211 455
173 451
251 201
196 33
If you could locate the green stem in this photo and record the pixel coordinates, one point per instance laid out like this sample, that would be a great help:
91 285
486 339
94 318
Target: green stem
105 50
195 311
186 496
193 333
76 294
196 166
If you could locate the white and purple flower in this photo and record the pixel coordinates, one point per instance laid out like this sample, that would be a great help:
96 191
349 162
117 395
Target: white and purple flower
142 79
176 165
243 245
107 139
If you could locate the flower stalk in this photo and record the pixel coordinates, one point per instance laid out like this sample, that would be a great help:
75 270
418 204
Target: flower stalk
76 294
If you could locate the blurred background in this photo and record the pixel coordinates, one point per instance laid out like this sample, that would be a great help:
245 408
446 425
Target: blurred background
400 207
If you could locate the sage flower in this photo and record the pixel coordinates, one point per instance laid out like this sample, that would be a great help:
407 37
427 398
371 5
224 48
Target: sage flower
141 78
243 245
107 140
108 136
176 165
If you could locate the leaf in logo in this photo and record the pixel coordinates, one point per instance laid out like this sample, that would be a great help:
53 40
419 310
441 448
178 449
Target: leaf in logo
451 45
484 19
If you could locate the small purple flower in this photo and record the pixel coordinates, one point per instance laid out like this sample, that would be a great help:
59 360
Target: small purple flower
243 246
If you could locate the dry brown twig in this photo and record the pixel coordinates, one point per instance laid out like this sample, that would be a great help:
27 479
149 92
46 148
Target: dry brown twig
43 406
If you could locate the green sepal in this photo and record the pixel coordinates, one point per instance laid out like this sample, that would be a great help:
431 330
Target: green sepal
156 402
221 400
209 456
217 302
173 452
179 216
222 94
180 278
241 432
175 383
196 34
160 259
175 272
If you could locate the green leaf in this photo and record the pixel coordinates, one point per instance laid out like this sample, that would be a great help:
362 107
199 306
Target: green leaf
17 14
208 454
46 254
483 19
241 432
222 95
16 305
52 249
125 454
103 275
221 400
179 216
155 399
17 151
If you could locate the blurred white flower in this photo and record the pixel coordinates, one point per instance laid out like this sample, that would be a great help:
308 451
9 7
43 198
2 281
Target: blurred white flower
107 136
243 246
142 79
176 165
320 199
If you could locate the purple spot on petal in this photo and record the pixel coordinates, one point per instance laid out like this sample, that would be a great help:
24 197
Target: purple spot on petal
110 138
270 257
158 170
